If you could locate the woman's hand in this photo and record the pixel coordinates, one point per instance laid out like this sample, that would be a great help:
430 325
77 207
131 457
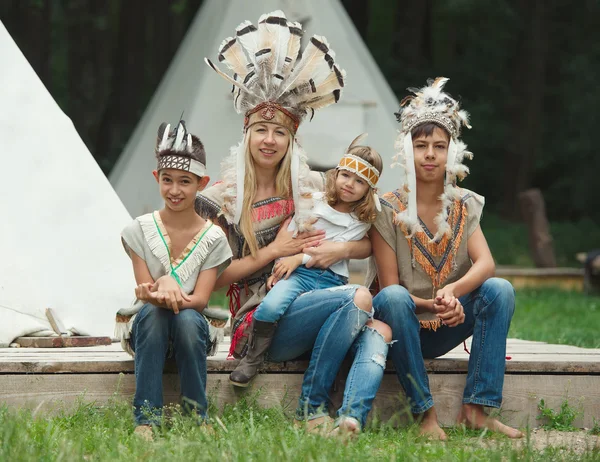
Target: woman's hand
285 245
325 254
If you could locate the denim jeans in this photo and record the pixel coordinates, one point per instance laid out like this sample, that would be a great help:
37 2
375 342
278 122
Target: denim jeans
488 313
283 293
369 352
326 321
156 333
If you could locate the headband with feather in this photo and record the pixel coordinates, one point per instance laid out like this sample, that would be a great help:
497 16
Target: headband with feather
179 149
431 105
273 81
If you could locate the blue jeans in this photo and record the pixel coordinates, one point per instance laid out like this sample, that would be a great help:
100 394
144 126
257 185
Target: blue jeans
369 352
283 293
488 313
326 321
156 333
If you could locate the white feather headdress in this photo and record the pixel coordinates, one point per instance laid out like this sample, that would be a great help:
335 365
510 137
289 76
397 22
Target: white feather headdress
275 82
431 105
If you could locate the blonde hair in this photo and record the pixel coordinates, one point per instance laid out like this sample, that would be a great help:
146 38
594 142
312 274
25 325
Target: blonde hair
282 189
364 209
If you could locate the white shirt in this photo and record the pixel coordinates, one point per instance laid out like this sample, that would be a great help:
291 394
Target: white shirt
338 227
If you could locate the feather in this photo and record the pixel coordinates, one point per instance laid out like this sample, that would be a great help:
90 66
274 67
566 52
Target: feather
279 36
335 81
164 143
313 64
190 148
232 54
226 77
247 34
358 141
179 137
293 50
322 101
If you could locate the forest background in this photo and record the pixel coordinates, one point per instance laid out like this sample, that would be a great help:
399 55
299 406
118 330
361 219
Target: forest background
528 71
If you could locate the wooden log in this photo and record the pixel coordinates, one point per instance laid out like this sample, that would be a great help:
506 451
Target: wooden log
533 210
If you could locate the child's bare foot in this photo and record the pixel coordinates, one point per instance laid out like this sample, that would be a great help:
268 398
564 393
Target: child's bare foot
429 426
144 432
348 428
473 416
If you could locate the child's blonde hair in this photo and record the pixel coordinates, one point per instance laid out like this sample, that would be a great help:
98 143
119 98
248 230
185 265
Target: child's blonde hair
365 208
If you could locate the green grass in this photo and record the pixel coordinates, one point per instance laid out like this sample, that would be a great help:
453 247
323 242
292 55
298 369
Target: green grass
556 316
247 433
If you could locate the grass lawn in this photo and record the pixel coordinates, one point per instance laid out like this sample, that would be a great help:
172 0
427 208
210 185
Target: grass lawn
242 433
556 316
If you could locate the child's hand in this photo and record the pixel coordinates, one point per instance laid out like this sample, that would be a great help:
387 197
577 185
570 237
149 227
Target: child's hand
286 266
169 294
271 281
448 307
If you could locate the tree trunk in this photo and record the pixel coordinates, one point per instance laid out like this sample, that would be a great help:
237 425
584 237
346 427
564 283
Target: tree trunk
526 108
533 211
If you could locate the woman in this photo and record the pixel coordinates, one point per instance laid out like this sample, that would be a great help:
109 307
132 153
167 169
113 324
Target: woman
434 270
265 180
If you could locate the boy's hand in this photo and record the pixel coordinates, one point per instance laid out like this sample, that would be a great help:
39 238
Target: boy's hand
286 266
271 281
448 307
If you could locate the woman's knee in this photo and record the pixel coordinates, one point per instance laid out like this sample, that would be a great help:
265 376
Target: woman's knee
393 302
363 299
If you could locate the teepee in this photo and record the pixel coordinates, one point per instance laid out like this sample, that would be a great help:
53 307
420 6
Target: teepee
61 219
367 103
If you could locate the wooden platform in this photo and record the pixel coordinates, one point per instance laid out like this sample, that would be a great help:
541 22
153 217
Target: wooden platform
46 378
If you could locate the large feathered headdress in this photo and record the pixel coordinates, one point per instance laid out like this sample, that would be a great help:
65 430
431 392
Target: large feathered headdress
431 105
274 82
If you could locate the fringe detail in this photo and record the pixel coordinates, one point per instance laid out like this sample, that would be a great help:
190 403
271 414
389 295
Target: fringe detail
155 243
282 207
446 247
206 208
215 335
200 253
241 335
433 324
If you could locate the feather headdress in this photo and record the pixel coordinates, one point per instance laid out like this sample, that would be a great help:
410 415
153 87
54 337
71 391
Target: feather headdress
431 105
273 81
179 149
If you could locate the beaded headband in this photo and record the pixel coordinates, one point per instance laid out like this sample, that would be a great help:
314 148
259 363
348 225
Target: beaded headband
184 163
360 167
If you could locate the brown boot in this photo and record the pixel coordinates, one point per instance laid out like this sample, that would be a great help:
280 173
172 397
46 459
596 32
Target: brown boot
262 334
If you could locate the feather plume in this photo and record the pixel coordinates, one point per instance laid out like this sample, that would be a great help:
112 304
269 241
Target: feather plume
279 34
358 141
312 65
232 54
323 101
293 49
164 142
226 77
179 137
335 81
247 34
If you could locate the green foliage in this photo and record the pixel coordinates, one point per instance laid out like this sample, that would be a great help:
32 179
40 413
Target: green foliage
555 316
243 432
558 420
595 430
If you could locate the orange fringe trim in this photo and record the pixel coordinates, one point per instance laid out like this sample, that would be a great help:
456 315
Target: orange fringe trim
438 249
433 325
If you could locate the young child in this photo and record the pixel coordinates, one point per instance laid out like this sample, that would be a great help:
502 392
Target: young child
345 211
173 243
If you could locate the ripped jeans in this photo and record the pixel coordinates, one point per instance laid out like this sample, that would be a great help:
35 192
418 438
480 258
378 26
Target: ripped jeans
369 352
326 321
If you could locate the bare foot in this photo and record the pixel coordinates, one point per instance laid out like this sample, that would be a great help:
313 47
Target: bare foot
473 416
429 426
348 428
144 432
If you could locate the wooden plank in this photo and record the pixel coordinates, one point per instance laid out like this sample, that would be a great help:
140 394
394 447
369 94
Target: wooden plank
522 393
61 342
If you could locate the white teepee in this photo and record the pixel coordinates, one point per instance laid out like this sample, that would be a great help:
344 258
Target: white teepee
367 103
61 219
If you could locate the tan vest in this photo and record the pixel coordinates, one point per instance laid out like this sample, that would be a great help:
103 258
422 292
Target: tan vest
425 266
